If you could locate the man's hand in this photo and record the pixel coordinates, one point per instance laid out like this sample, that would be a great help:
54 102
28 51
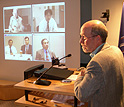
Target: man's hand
82 72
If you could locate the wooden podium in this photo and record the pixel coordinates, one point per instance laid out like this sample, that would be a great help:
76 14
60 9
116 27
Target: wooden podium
56 87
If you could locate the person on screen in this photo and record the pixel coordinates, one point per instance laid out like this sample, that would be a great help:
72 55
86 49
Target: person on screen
45 54
15 24
10 49
48 24
27 48
101 83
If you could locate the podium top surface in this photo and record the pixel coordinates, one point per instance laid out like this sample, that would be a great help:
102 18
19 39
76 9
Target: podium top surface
56 86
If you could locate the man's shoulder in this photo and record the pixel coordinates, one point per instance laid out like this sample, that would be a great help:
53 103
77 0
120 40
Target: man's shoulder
7 46
30 45
110 49
40 51
52 20
23 46
12 17
107 52
13 47
43 21
19 18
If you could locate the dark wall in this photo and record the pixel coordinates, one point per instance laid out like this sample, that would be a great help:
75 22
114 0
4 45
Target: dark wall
86 14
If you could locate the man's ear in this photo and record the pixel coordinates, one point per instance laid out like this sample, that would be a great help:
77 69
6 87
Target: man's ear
98 37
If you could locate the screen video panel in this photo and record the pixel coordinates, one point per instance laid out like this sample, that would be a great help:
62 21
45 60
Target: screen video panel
34 32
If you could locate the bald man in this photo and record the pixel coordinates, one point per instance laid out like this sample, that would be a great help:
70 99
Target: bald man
101 83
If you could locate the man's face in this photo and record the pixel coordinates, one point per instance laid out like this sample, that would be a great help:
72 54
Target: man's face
87 40
15 13
45 44
26 41
48 16
10 43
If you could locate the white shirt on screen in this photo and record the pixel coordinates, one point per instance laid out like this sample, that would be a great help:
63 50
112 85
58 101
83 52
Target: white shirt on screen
52 26
15 25
13 49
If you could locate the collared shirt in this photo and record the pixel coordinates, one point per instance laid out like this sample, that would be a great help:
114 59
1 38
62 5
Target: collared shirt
26 47
49 57
13 49
95 51
52 26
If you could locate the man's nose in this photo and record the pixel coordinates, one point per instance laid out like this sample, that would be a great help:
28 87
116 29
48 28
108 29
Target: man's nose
81 41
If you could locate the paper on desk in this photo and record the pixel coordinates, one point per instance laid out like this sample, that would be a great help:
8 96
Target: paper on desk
72 77
65 99
61 67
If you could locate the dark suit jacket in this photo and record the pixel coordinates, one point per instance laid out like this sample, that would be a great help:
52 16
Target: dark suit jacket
29 50
40 55
102 84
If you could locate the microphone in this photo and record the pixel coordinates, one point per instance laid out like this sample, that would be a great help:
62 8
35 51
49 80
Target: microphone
69 55
54 62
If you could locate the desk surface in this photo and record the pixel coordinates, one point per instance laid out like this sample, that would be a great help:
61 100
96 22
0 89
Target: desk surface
56 86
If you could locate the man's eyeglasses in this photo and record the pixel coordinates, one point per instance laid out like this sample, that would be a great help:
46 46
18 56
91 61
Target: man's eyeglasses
85 37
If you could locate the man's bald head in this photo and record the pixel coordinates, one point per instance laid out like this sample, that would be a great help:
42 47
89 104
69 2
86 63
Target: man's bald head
97 28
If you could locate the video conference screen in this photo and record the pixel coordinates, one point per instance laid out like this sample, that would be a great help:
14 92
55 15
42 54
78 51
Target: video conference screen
34 32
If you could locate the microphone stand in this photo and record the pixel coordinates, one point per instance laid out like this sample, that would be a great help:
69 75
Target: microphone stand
43 82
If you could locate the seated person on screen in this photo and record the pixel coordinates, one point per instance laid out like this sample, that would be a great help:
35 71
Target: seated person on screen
45 54
10 49
48 24
15 24
27 48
